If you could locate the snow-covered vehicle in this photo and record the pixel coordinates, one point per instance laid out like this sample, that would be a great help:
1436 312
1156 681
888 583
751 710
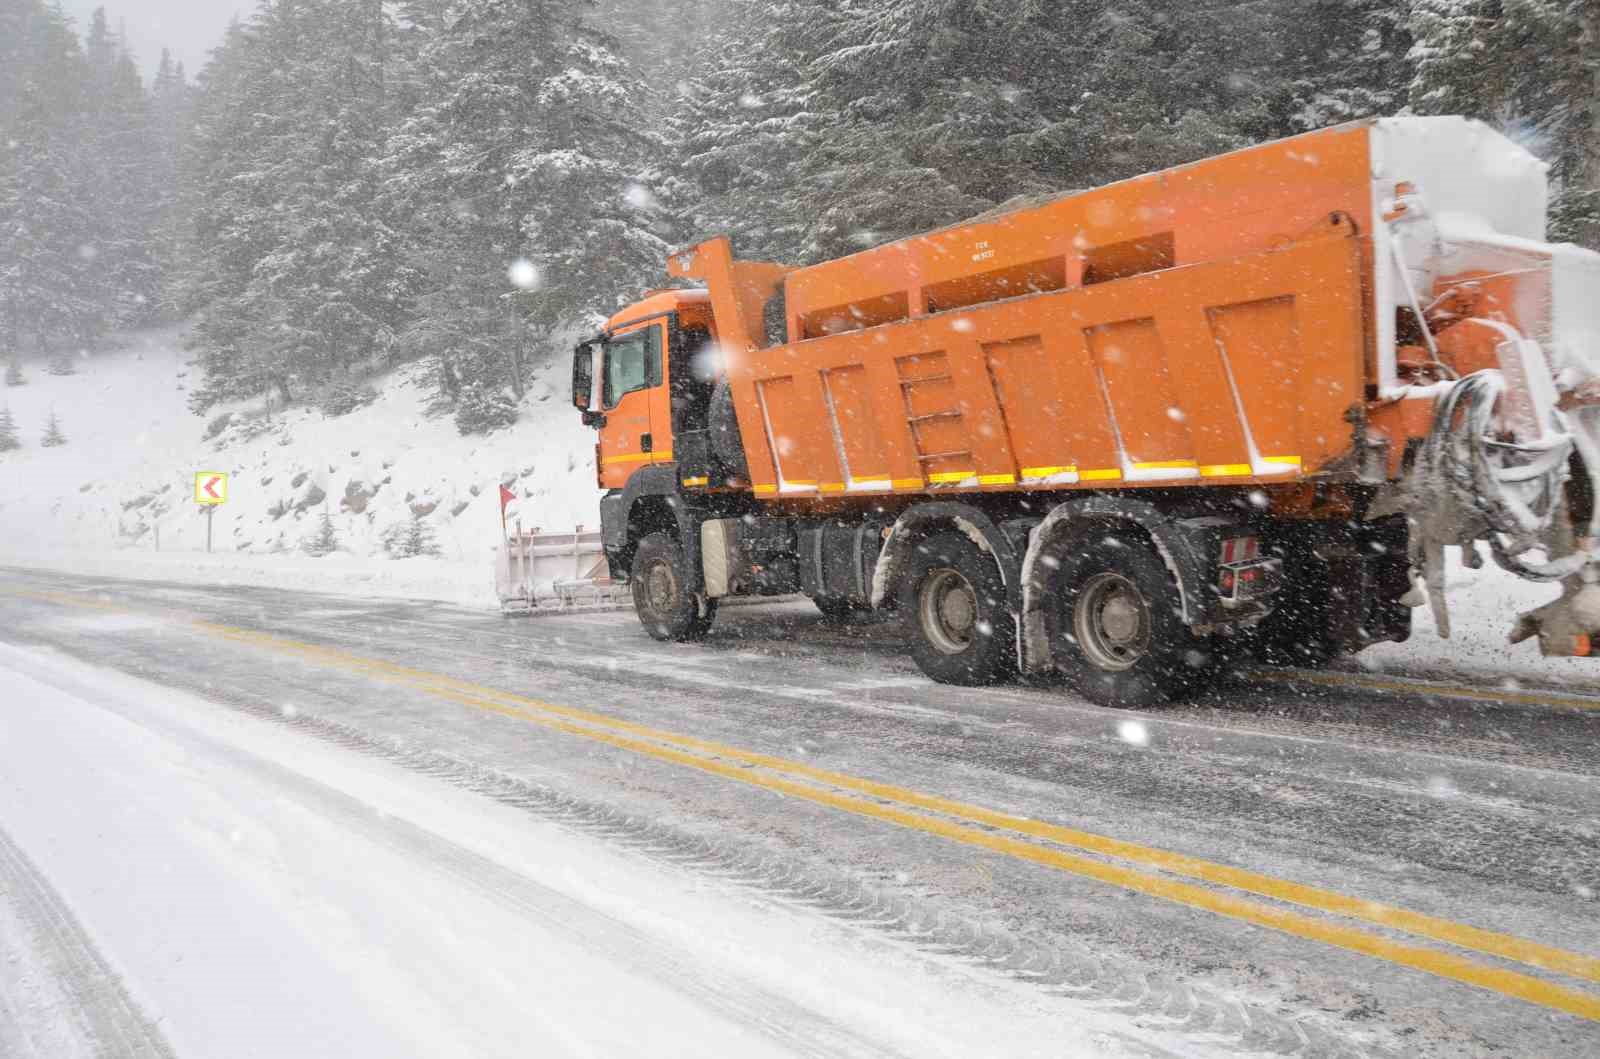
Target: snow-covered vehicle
1124 434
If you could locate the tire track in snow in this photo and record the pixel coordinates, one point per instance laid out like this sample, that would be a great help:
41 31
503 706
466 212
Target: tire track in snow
786 1022
1077 973
106 1012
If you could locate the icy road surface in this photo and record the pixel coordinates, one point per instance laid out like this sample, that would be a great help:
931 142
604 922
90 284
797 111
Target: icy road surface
274 823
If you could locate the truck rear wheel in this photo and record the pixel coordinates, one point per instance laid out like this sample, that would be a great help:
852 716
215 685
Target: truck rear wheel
1119 634
954 606
666 610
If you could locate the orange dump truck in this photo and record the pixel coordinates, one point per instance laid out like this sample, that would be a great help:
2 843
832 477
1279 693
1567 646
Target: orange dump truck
1128 433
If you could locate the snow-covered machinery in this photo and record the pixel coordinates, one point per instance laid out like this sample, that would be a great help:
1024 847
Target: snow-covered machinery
565 567
1244 403
1504 372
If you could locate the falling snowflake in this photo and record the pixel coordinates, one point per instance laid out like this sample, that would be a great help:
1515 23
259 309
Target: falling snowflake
1134 733
639 197
524 274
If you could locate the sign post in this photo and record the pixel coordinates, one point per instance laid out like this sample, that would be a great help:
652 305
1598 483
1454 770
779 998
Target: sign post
210 490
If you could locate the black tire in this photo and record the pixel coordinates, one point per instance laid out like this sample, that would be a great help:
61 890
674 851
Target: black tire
666 611
953 604
841 611
1117 630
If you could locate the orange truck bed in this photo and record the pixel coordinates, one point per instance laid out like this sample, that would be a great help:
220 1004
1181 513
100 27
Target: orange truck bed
998 354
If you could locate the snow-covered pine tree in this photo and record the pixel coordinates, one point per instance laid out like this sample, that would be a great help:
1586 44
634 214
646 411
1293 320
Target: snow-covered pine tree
305 277
8 431
408 540
230 223
344 395
53 434
61 363
1556 66
871 121
49 295
122 190
171 119
1348 59
524 170
484 407
14 375
662 42
325 541
1457 57
751 120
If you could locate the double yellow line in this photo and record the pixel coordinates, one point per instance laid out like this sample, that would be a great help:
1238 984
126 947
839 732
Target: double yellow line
1424 687
1050 845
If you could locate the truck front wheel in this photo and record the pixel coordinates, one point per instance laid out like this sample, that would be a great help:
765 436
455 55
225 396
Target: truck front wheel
666 609
954 606
1119 634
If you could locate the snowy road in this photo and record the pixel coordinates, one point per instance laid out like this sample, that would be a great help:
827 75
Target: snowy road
273 823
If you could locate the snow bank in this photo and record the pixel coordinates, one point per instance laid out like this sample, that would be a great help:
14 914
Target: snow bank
118 497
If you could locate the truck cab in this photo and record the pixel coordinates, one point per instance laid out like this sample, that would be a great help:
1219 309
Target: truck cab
645 380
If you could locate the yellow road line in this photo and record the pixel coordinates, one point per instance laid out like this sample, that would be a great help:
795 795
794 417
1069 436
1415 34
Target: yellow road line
1445 965
1486 941
1419 687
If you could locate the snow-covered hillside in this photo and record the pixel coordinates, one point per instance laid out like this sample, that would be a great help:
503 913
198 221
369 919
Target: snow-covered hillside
124 481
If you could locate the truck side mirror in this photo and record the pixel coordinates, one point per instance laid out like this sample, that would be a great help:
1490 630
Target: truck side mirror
583 358
583 377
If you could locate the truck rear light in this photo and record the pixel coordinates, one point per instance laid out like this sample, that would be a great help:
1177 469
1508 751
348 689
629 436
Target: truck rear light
1240 549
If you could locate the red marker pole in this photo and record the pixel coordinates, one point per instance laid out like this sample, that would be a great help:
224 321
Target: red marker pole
506 496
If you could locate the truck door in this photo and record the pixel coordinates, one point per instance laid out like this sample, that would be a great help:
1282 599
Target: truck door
633 401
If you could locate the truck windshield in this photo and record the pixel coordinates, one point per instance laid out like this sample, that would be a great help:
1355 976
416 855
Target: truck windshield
632 362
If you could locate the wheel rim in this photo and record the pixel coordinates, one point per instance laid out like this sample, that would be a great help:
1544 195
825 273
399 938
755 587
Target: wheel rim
948 609
1112 622
661 586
